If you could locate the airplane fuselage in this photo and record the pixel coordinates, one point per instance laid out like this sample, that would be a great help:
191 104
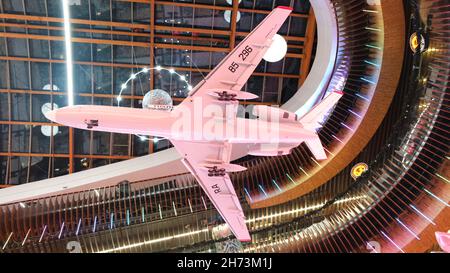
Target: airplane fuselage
187 128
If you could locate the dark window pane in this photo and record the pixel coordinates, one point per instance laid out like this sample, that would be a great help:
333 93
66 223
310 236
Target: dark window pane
33 7
40 75
81 52
17 47
4 106
38 102
102 80
122 54
61 141
20 107
100 143
4 137
19 76
20 136
121 11
3 74
101 53
40 140
59 76
2 47
38 168
39 49
3 169
54 8
79 9
140 147
19 170
100 10
12 6
60 166
120 144
83 140
58 50
82 74
141 13
121 75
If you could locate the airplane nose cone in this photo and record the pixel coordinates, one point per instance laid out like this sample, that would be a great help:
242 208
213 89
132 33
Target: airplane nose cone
51 115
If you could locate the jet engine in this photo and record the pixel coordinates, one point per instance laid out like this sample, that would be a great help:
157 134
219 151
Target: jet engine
273 114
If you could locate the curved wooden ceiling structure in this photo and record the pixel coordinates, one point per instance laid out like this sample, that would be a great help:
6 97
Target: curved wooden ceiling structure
391 67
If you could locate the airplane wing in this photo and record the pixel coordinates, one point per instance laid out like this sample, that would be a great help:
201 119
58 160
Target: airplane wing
199 159
233 71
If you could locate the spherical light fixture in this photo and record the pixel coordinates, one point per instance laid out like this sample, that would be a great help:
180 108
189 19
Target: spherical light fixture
227 16
157 99
277 49
48 130
230 2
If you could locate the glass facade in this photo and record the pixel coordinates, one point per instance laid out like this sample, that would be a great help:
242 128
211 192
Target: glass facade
110 41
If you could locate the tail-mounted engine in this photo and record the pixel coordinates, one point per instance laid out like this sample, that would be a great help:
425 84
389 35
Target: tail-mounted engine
273 114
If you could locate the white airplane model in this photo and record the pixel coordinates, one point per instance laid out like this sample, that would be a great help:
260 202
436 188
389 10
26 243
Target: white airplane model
204 128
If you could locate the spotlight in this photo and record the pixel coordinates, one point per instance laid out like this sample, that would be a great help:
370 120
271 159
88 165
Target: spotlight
171 71
124 85
158 68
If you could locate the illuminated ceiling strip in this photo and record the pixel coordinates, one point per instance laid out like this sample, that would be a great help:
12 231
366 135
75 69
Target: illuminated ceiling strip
154 241
60 232
78 227
408 229
443 178
206 229
423 215
296 211
68 44
392 242
43 232
290 178
7 240
437 198
26 237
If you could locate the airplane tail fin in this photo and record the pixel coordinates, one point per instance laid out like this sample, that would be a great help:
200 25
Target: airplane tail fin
313 119
315 146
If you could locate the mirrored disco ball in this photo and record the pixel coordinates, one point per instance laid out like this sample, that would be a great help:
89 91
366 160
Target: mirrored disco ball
157 99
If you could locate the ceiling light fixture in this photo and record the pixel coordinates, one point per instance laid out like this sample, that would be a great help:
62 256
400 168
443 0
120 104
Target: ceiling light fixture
68 44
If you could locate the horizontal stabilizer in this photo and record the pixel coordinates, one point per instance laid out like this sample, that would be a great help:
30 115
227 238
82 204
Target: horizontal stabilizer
314 118
316 148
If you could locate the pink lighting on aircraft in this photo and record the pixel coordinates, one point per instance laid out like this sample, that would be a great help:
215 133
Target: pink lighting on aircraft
204 128
443 240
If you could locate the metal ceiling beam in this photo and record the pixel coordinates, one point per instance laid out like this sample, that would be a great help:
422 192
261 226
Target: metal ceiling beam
233 23
151 144
210 7
126 43
137 66
309 43
134 26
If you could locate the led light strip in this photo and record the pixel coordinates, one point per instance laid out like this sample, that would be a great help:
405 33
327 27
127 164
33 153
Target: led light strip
68 42
146 70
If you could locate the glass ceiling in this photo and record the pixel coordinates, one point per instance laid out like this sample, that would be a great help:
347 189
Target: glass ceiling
110 41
